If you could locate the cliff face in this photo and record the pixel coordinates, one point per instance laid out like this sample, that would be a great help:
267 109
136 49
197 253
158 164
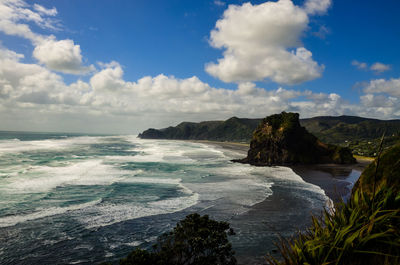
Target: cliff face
280 140
387 174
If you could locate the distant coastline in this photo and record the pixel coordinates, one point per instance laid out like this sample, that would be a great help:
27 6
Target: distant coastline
361 135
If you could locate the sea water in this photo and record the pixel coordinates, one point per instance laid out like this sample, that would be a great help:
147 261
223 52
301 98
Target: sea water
79 199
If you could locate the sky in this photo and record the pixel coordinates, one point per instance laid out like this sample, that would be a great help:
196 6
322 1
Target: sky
101 66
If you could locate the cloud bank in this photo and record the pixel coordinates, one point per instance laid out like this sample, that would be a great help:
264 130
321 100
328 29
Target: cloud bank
163 100
35 96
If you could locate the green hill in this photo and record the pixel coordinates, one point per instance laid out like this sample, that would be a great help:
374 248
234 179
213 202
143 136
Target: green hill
361 135
233 129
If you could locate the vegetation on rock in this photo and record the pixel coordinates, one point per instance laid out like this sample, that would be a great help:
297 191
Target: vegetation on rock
280 140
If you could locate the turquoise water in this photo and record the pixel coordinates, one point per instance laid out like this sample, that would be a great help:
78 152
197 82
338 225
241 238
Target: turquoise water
76 199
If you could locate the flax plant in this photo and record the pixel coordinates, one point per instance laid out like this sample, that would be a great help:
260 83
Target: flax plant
364 231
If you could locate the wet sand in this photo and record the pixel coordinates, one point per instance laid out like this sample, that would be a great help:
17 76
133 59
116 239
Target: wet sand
335 179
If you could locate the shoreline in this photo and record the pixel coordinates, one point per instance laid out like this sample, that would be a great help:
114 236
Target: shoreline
278 215
336 180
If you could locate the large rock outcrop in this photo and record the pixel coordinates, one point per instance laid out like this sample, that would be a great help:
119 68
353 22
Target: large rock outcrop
280 140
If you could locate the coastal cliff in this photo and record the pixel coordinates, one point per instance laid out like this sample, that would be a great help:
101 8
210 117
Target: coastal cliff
280 140
234 129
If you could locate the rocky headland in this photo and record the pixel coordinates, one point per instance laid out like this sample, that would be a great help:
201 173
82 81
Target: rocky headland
280 140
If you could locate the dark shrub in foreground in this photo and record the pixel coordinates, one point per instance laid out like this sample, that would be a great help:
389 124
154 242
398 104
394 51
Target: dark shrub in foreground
196 240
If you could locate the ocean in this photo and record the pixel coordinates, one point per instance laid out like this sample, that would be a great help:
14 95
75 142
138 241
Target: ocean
84 199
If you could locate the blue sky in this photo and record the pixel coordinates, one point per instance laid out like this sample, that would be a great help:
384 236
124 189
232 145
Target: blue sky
123 66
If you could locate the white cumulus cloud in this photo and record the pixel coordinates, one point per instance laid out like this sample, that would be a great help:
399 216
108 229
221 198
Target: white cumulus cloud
317 6
375 67
219 3
63 56
59 55
380 67
390 87
359 65
263 42
45 11
109 78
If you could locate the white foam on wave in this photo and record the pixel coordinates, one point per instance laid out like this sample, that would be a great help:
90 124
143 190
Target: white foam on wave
12 146
287 173
284 173
108 214
173 151
41 213
159 152
150 180
134 243
45 178
245 192
202 151
176 181
240 184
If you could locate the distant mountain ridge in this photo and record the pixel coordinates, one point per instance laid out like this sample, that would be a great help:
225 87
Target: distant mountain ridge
361 135
358 133
343 128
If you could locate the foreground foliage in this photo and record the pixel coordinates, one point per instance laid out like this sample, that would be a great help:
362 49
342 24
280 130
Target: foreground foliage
387 174
364 230
196 240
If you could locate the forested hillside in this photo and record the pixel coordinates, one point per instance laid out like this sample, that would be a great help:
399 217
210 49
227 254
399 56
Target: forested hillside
361 135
